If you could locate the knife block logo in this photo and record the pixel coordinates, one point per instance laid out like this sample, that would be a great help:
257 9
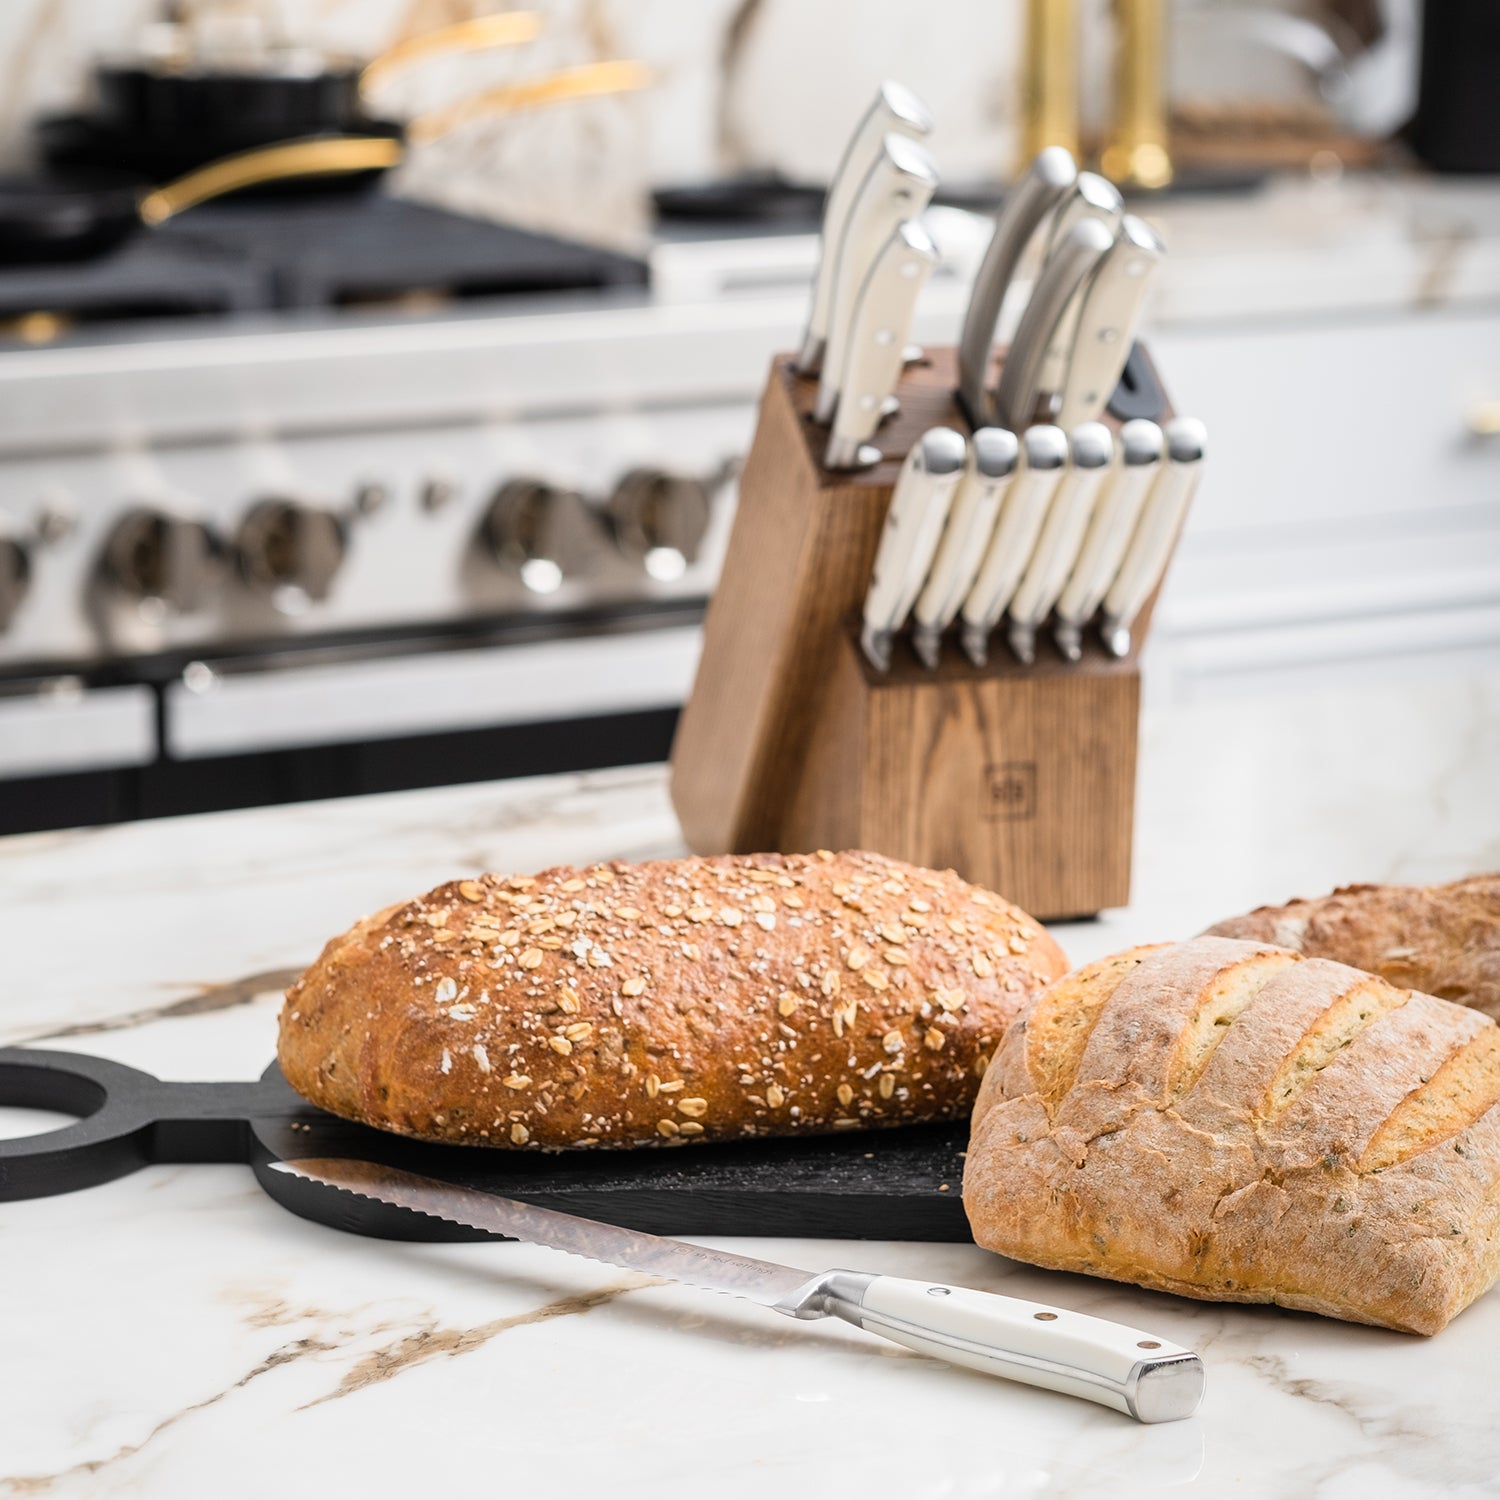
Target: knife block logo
1010 791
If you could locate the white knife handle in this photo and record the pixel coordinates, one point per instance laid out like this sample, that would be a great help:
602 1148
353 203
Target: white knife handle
1069 266
993 456
1092 198
1091 448
898 186
1149 1378
1106 320
1116 514
1151 547
1026 205
897 111
877 340
1011 546
913 524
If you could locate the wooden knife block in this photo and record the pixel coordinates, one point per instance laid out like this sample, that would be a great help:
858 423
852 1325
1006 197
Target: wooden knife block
1022 779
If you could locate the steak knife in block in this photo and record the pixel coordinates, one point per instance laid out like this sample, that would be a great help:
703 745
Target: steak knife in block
1019 778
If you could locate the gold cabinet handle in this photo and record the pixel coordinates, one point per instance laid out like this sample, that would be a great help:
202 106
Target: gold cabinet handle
314 157
617 77
510 28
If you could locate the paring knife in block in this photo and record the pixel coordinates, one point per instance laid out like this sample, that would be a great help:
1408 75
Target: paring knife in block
1151 547
1090 448
896 111
898 186
1045 452
1041 188
913 525
1148 1378
877 339
1116 514
993 455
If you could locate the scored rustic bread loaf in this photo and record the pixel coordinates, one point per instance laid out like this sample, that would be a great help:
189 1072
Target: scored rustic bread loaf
1231 1121
624 1005
1441 939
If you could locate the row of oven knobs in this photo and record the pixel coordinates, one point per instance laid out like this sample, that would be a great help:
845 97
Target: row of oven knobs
290 551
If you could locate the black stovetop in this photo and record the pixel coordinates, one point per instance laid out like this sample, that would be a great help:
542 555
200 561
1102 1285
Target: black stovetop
258 255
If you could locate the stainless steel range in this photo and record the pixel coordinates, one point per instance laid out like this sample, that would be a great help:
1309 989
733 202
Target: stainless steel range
335 548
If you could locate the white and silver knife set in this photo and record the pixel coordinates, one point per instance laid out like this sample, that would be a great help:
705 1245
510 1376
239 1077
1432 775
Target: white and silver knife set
1045 512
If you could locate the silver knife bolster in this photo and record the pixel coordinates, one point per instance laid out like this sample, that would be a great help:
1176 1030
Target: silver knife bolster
1069 267
1028 203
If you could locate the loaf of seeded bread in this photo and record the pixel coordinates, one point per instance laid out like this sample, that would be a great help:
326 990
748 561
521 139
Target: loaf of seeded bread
1229 1120
627 1005
1441 939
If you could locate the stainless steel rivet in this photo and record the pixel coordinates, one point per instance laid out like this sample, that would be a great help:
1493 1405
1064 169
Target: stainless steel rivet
939 1291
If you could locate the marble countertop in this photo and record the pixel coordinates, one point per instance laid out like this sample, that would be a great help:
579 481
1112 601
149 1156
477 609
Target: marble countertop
176 1333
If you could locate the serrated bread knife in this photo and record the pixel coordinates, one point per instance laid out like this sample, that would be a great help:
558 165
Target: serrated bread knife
1116 514
913 526
898 186
1125 1368
1041 188
1045 449
876 344
896 111
1151 547
993 455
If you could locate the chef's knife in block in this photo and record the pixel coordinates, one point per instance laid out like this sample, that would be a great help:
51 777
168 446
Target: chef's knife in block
1020 778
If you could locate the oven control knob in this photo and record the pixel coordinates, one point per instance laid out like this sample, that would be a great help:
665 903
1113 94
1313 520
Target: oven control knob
660 519
153 555
15 576
290 551
542 531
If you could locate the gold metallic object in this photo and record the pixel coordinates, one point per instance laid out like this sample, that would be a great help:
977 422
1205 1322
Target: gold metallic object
1484 419
616 77
1049 83
510 28
314 157
1136 152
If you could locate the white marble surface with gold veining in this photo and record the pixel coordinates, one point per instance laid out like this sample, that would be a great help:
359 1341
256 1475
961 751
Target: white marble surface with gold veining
175 1333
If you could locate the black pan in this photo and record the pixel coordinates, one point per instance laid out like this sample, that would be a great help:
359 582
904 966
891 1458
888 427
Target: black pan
80 215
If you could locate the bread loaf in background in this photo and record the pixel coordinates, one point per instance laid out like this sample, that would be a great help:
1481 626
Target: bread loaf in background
1441 939
1229 1120
656 1004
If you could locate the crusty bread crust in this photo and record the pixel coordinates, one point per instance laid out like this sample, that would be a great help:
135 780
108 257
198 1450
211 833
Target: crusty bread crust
1441 939
1335 1146
654 1004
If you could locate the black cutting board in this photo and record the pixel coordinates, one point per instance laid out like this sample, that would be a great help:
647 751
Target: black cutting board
888 1184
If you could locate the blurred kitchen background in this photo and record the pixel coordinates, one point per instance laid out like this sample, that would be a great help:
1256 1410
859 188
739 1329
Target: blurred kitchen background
420 470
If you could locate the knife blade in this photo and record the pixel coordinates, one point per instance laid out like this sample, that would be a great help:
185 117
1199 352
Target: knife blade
1045 450
1114 521
1091 448
1104 331
993 455
1093 197
877 342
913 524
1148 1378
898 186
1069 266
895 111
1151 547
1036 195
